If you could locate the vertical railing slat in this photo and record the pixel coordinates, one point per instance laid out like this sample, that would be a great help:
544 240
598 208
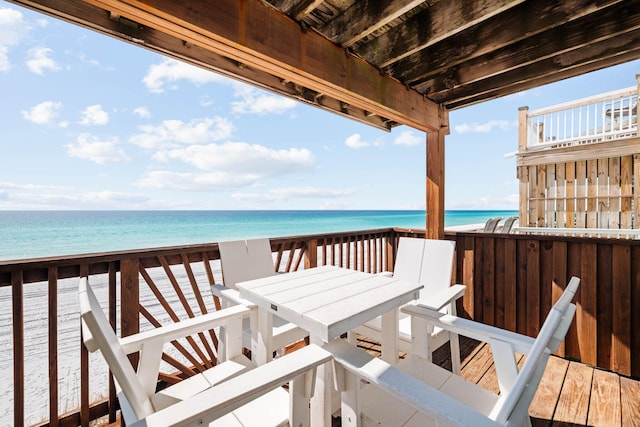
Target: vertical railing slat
113 271
84 370
17 299
53 346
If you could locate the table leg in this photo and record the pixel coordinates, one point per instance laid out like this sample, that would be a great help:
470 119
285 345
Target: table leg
390 340
323 392
262 338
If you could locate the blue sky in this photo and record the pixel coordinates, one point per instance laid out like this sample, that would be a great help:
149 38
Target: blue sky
89 122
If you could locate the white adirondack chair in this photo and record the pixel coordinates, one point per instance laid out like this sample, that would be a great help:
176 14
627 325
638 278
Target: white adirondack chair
243 260
416 392
429 262
230 394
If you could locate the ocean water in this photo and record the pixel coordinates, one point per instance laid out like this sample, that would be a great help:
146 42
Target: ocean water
32 234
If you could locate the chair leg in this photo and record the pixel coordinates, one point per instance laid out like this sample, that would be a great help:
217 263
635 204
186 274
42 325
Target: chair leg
454 342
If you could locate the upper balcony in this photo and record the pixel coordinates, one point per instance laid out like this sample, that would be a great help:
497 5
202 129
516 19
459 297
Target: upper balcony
578 166
596 119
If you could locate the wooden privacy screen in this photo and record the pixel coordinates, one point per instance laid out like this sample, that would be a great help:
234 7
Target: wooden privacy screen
595 193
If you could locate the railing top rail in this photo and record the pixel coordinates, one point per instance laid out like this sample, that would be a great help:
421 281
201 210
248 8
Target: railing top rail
584 101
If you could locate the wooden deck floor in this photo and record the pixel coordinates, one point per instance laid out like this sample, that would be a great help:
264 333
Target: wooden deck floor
570 394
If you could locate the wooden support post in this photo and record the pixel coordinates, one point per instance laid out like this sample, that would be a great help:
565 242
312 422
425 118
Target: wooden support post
523 113
435 178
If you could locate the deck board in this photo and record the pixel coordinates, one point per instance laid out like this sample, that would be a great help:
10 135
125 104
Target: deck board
630 401
573 403
604 405
544 402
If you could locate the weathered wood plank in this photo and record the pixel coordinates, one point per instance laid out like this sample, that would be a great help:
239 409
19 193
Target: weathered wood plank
500 283
605 405
533 286
592 193
561 195
488 281
621 310
581 193
626 188
509 284
546 398
615 191
482 362
540 195
574 263
586 316
604 314
629 392
559 277
573 403
570 176
603 193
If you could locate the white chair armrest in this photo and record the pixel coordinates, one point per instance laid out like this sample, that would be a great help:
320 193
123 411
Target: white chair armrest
445 409
385 273
229 294
184 328
441 299
469 328
230 395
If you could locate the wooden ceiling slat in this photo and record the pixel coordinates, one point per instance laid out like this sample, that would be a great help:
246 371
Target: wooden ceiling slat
363 18
498 32
618 20
428 27
600 55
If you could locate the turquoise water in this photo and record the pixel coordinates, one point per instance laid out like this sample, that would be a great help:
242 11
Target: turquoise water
30 234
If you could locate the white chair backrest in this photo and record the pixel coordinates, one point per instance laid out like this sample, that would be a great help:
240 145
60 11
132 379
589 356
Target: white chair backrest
437 266
97 334
514 406
408 263
243 260
426 261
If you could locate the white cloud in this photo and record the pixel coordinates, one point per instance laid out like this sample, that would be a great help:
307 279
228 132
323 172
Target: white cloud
242 158
483 127
142 112
257 102
284 194
189 181
229 165
408 138
356 142
94 115
172 133
91 148
12 30
37 196
43 113
38 60
162 76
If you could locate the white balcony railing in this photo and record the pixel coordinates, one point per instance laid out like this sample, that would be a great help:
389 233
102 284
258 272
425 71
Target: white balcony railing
599 118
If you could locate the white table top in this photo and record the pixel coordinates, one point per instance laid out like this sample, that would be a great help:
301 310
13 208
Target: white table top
328 301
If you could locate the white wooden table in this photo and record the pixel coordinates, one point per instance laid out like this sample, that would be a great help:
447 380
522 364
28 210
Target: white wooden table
327 302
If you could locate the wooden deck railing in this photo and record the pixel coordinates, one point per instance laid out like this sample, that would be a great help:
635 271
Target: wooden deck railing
140 289
510 281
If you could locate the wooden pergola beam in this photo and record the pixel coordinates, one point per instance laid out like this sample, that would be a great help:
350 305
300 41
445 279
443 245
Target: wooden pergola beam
260 37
